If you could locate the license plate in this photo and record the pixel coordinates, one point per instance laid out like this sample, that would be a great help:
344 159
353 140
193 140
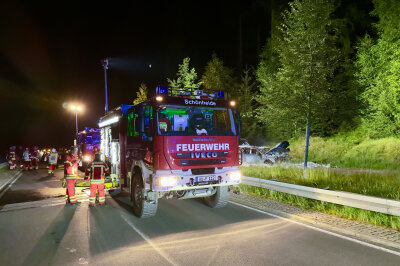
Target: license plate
206 178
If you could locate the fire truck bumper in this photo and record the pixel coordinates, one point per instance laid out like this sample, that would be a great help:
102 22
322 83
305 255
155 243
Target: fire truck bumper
180 181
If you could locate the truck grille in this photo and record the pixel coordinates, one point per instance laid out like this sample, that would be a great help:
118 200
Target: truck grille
203 171
201 162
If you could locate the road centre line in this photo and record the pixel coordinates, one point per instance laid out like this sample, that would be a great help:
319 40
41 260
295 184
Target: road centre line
321 230
149 241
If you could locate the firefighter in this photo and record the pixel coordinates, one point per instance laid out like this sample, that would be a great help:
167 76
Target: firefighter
96 172
70 174
20 156
95 150
164 123
52 158
27 159
35 158
12 158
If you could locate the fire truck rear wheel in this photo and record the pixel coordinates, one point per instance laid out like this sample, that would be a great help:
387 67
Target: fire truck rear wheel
219 199
141 207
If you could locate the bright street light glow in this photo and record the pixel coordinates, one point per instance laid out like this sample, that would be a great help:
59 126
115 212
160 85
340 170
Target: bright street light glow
79 108
109 121
73 107
159 98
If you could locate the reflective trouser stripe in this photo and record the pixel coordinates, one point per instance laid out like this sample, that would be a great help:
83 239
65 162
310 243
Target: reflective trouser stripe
92 200
96 181
102 200
70 177
93 189
52 167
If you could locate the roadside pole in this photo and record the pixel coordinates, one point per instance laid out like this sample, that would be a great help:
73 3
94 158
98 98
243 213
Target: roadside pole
305 172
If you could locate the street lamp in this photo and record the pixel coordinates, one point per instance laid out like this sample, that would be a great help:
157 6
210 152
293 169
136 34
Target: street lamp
104 63
76 109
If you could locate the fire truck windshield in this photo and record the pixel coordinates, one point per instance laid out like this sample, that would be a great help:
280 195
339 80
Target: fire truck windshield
175 120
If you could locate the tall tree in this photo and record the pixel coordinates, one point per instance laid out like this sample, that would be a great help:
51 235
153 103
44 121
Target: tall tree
185 78
252 130
379 71
308 57
141 95
217 77
245 90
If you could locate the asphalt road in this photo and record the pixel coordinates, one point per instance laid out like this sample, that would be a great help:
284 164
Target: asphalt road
37 229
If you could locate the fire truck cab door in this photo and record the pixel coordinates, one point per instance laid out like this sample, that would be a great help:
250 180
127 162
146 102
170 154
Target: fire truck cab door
146 133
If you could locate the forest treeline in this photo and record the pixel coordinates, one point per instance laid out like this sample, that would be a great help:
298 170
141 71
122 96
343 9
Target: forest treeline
314 67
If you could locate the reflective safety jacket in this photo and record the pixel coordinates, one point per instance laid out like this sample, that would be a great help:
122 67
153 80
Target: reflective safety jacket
71 167
12 156
27 156
53 158
96 172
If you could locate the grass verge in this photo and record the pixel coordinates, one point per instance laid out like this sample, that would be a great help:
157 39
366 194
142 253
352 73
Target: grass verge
384 184
352 151
351 213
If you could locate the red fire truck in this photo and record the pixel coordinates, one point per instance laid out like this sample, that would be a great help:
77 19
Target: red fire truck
183 146
86 141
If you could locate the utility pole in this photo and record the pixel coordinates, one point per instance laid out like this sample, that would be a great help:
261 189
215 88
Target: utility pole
307 138
105 66
240 48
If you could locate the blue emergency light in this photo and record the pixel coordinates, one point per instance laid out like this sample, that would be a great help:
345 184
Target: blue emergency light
161 90
220 95
125 107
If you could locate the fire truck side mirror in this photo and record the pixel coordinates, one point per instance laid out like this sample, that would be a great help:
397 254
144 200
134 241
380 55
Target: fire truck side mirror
236 114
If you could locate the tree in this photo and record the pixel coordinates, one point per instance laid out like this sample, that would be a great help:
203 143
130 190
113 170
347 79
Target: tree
378 63
252 130
245 91
308 57
141 95
217 77
186 79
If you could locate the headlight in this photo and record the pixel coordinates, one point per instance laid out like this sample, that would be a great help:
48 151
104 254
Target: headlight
168 181
86 158
235 176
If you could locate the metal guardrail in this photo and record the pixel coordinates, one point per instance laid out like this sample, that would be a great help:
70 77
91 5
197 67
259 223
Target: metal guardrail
3 165
376 204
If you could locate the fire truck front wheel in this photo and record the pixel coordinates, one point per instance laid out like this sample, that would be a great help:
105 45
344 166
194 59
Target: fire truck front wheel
142 207
219 199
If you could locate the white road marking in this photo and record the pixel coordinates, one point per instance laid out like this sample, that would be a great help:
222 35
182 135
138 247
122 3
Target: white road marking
321 230
13 180
148 240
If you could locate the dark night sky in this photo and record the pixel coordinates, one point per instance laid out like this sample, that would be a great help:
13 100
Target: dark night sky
50 53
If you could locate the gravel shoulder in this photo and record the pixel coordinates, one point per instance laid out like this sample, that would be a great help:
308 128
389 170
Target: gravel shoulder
374 234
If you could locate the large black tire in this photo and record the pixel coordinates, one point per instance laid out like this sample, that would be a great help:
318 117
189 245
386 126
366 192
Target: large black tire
219 199
141 207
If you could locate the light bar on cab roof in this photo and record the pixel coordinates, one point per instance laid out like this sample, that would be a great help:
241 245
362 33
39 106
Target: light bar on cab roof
110 121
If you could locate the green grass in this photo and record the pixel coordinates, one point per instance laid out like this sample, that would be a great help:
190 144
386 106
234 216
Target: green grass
351 213
350 151
385 184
